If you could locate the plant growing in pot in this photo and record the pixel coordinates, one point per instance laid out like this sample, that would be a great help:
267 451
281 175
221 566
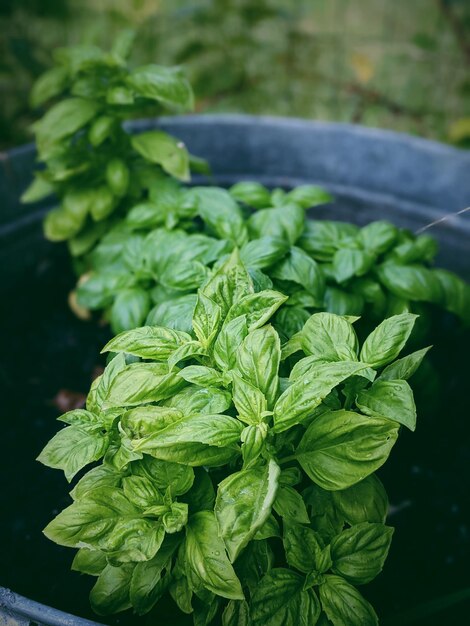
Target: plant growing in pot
376 271
237 478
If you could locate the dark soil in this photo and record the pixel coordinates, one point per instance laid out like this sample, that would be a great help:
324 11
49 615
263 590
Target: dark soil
45 350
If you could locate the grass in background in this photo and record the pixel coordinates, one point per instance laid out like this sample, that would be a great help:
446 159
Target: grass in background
401 65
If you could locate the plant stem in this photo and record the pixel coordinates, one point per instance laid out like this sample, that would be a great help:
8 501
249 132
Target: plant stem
287 459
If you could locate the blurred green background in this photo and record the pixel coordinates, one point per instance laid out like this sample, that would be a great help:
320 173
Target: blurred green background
397 64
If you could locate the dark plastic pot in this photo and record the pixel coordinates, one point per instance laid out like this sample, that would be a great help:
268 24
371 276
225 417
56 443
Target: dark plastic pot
374 174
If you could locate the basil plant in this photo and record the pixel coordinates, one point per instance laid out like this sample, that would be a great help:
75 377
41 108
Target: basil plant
148 266
234 470
95 168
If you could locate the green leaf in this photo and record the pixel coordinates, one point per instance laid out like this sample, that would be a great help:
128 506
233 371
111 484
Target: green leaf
195 440
456 294
279 600
243 504
236 613
63 120
290 505
206 557
359 552
410 282
321 238
366 501
111 591
329 337
405 367
164 150
88 561
206 319
378 236
74 447
340 448
48 85
205 400
303 547
285 223
163 475
343 302
392 399
176 313
220 212
308 196
139 383
129 309
101 385
228 341
249 401
386 342
258 360
37 190
300 399
202 376
300 268
263 252
253 194
257 308
148 342
167 85
344 605
348 263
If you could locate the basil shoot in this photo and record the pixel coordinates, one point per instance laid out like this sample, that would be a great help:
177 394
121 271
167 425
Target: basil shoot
216 451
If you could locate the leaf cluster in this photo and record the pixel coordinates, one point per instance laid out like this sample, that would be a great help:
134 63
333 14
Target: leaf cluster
95 168
236 469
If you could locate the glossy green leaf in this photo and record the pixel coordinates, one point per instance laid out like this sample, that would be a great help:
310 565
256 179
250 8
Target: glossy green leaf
167 85
392 399
386 342
149 342
344 605
164 150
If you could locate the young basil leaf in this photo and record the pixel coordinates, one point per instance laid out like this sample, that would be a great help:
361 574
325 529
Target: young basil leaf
249 401
90 562
410 282
300 268
195 440
206 557
164 150
251 193
206 319
236 613
392 399
111 591
167 85
243 504
253 443
279 600
285 223
344 605
258 360
341 448
290 505
203 376
378 236
405 367
61 121
308 196
228 340
309 390
359 552
220 212
257 308
321 238
385 342
366 501
349 262
329 337
73 448
100 476
149 342
188 350
204 400
139 383
176 313
258 254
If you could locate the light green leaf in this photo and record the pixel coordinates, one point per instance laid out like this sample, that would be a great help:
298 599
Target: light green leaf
148 342
164 150
206 319
392 399
258 360
300 268
348 263
329 337
249 401
340 448
243 504
251 193
91 562
385 343
167 85
129 309
206 557
111 591
405 367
